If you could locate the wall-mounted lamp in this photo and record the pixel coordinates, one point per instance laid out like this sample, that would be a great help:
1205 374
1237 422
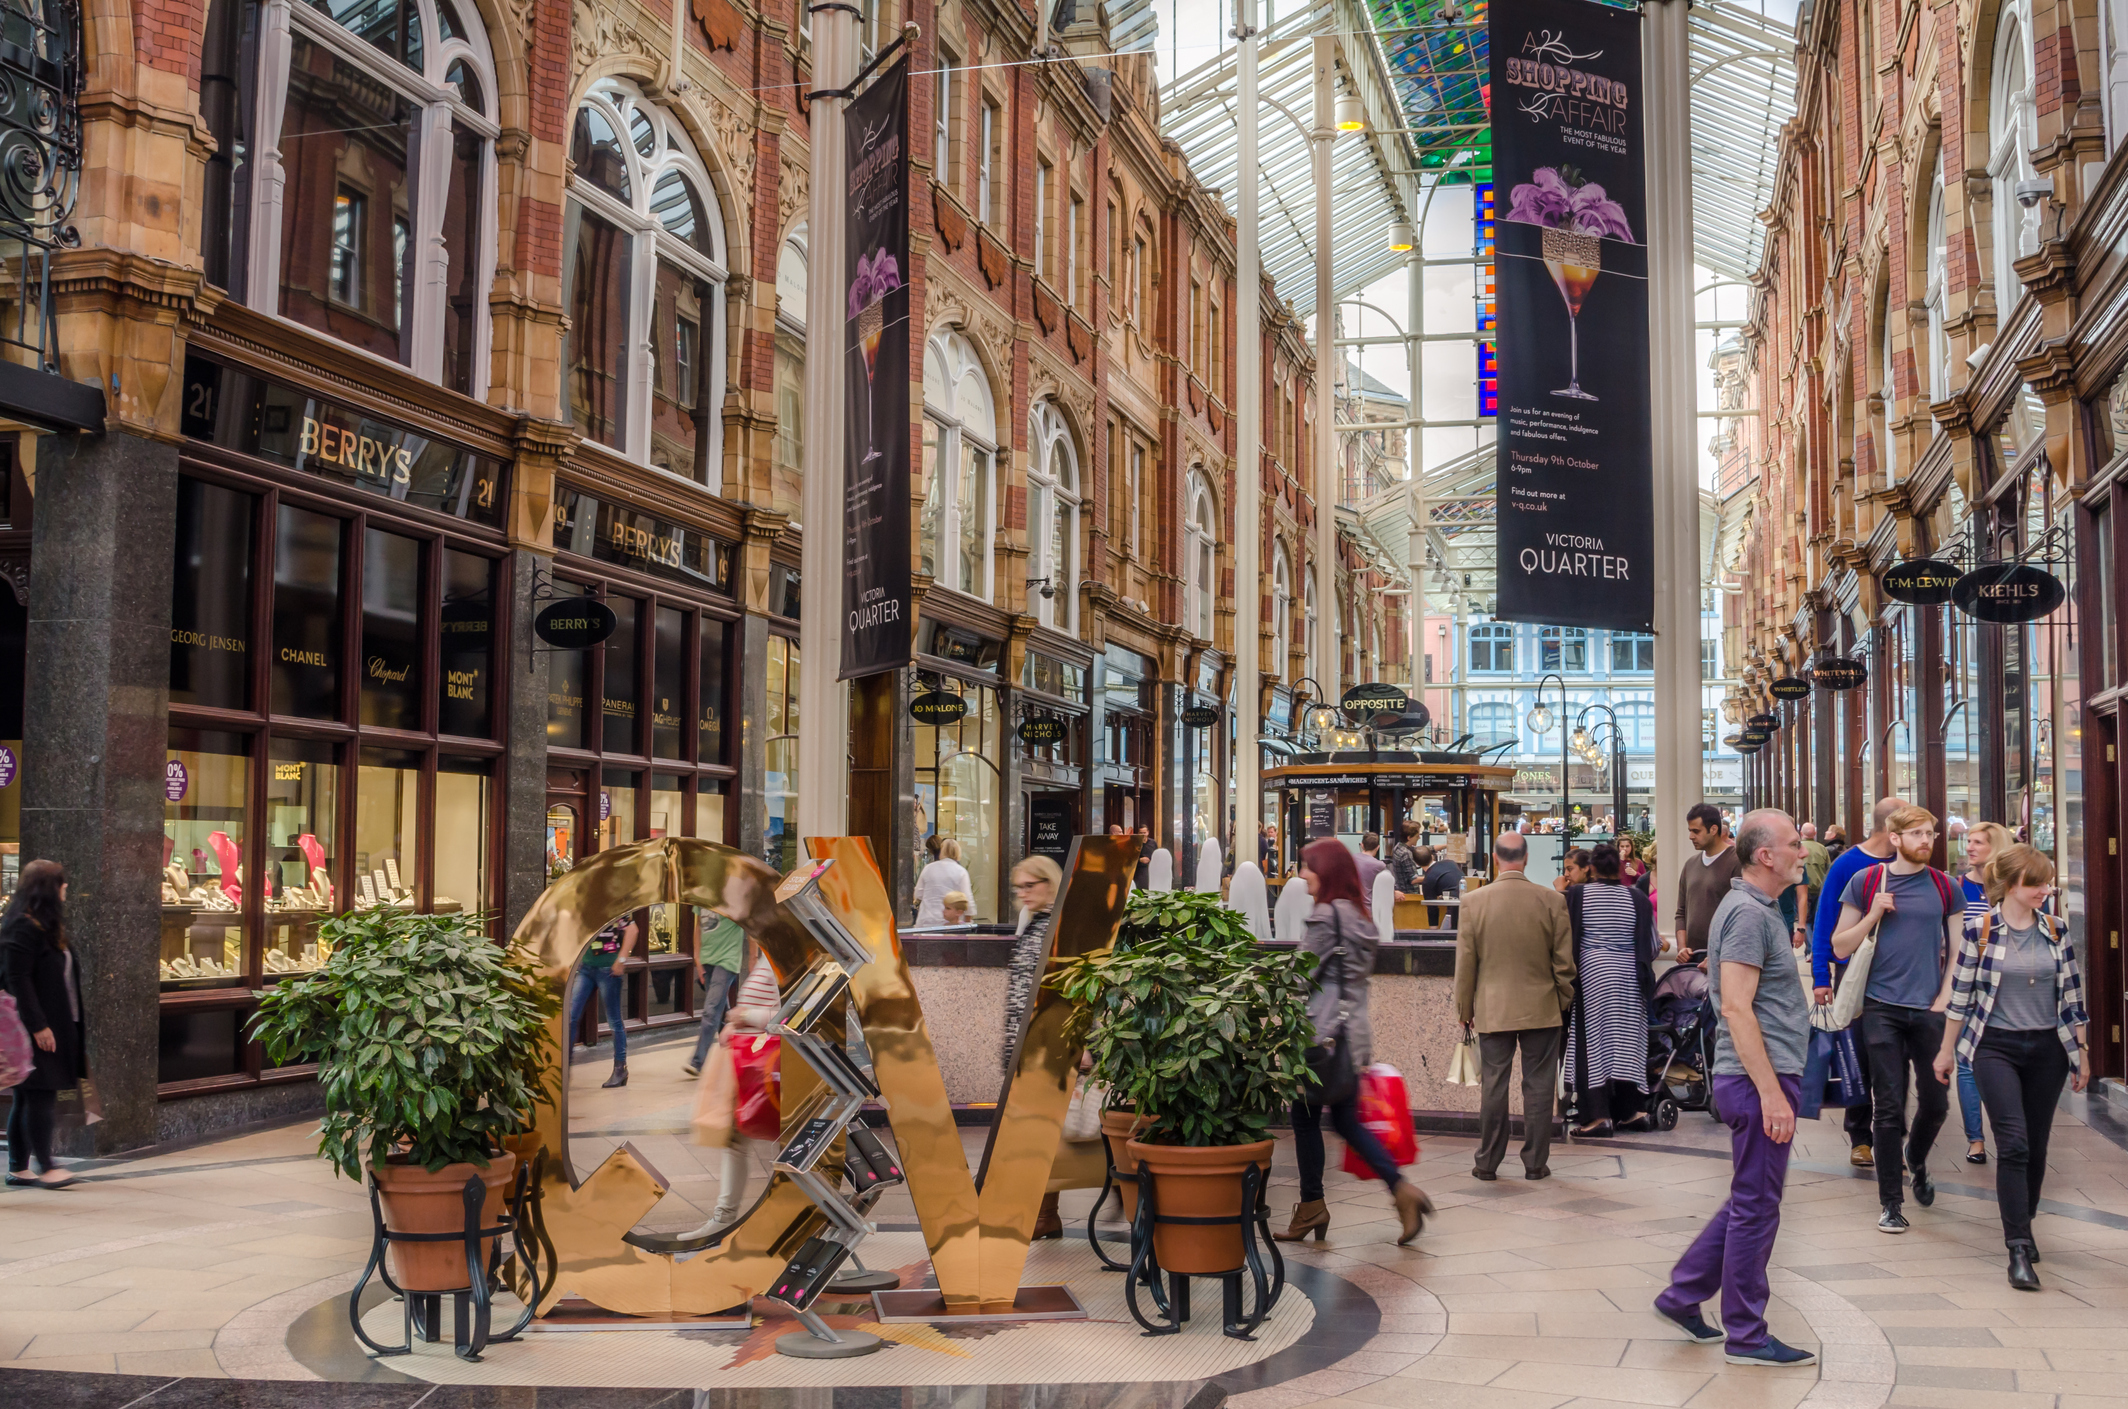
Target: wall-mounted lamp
1351 113
1400 235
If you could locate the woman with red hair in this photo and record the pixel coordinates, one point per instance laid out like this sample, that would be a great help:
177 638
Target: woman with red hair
1341 935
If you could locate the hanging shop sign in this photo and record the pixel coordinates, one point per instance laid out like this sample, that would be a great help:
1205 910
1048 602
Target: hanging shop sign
1200 716
1374 697
1038 729
1838 673
1921 582
1730 741
2008 592
1766 722
938 707
1752 738
1789 687
1576 495
575 623
591 527
877 599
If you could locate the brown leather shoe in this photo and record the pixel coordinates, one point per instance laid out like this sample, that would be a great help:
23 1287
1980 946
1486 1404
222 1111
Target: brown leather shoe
1313 1216
1863 1157
1048 1223
1412 1207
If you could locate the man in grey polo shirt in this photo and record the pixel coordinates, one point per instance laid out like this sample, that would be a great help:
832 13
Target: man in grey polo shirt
1758 1069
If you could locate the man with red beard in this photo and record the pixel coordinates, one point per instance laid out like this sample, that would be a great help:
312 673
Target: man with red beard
1915 911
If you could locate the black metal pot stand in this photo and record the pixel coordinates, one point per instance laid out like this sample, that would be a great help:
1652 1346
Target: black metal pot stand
472 1304
1174 1308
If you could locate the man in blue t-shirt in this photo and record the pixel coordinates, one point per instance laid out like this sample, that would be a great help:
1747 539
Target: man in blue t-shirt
1915 912
1875 850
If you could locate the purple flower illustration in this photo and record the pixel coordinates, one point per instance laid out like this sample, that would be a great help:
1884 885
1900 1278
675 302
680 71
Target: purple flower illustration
877 276
1560 199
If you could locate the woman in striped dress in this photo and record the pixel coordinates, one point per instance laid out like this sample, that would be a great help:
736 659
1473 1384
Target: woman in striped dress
1614 947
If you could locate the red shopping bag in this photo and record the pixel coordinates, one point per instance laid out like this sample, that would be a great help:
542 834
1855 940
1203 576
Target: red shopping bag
1386 1111
755 1061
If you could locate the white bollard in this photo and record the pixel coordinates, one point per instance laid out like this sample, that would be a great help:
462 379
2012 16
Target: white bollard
1295 903
1160 871
1385 905
1208 868
1252 899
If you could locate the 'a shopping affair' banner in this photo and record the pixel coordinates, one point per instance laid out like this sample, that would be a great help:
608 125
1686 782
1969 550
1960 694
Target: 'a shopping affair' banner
1575 483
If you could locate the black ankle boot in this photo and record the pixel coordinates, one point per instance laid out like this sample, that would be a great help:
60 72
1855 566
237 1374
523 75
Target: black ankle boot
2022 1276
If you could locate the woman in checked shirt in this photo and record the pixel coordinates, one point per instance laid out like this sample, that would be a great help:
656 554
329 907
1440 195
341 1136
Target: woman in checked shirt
2014 1010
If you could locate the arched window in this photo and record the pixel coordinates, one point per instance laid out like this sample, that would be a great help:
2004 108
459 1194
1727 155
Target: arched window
1053 517
1492 646
643 280
1636 721
1200 532
1492 724
786 489
353 191
1282 613
2013 130
959 461
1937 374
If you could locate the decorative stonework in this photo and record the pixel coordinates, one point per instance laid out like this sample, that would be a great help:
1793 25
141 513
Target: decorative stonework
991 258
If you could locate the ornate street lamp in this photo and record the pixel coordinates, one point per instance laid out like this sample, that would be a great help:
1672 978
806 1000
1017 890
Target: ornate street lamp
1540 722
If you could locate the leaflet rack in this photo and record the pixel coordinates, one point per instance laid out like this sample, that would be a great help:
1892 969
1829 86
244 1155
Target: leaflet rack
870 1168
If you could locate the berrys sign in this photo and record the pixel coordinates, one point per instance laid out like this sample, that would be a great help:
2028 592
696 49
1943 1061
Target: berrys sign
1923 582
575 623
2008 592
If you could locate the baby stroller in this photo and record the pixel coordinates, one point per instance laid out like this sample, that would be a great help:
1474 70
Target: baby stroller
1680 1046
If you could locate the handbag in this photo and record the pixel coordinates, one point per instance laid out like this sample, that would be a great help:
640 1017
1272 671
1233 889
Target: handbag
1463 1067
716 1099
756 1059
1329 1060
1082 1118
18 1055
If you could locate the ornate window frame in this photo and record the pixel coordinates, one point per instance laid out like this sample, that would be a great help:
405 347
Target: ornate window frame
959 410
1053 516
1200 532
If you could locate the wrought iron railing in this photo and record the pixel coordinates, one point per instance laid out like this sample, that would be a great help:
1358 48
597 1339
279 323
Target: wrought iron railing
40 168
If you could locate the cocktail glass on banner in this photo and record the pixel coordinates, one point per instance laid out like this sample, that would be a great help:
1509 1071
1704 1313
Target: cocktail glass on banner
877 276
1573 260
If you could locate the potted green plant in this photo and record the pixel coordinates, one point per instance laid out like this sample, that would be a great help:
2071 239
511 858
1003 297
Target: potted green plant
430 1040
1201 1037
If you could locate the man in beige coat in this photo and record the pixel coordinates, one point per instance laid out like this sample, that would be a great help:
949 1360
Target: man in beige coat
1514 984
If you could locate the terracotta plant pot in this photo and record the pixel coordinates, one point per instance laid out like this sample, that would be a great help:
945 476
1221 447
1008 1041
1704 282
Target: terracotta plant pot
1118 1128
1199 1183
416 1201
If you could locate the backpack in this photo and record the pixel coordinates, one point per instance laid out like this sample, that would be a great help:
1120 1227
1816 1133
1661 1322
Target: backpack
1947 890
17 1057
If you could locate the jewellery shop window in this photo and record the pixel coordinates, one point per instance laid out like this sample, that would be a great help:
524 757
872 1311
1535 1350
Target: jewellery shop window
318 659
653 753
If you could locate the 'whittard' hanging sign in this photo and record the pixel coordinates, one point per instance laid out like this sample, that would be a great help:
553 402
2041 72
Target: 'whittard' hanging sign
2008 592
1576 515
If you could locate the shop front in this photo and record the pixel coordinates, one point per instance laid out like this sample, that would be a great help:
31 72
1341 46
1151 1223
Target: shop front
637 746
1050 743
957 754
1126 773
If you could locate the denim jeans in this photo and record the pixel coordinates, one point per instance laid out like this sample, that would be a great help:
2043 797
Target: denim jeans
1968 1100
608 984
716 998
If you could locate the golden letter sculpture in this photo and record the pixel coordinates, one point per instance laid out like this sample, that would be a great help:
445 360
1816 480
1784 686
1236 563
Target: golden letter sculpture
977 1240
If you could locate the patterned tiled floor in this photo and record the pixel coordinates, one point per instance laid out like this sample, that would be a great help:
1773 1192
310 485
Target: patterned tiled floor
1519 1295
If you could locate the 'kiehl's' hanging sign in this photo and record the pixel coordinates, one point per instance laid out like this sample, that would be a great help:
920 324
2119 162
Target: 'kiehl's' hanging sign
1923 582
575 623
2008 592
1789 687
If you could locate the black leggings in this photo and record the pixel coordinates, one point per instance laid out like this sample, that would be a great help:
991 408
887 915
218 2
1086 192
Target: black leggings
1308 1145
2020 1075
29 1129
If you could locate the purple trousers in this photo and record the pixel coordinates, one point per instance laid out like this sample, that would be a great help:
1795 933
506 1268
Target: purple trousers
1730 1253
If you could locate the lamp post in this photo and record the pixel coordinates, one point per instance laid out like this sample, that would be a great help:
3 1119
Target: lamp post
1618 759
1540 722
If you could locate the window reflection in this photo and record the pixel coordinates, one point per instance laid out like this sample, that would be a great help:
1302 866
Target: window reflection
779 782
598 326
668 705
462 787
210 604
620 685
709 720
391 630
468 645
306 615
346 202
387 827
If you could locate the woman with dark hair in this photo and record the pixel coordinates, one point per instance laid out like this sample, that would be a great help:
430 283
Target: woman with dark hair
1630 867
1614 952
1341 935
41 974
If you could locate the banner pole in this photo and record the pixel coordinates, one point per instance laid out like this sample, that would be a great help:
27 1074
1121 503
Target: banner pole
1248 535
823 738
1326 665
1674 382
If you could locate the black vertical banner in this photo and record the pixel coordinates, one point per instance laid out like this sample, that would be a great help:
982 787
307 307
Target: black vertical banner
877 631
1575 478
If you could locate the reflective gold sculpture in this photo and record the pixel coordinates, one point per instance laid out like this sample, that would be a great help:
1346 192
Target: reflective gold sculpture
978 1242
